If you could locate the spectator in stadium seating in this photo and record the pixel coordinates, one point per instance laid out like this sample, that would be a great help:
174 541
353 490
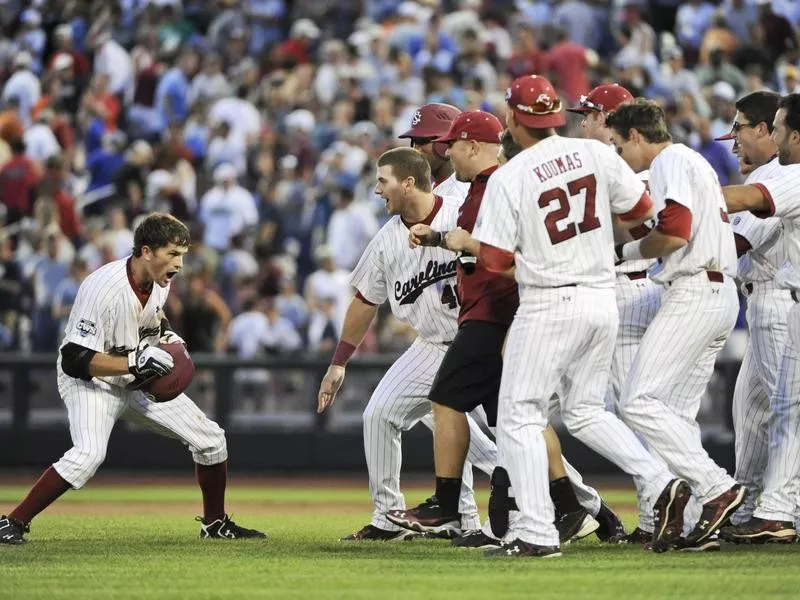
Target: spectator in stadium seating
19 178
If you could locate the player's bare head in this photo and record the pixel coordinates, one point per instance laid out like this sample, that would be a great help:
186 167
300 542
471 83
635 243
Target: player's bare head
638 130
752 129
473 142
159 243
594 107
786 132
508 148
402 172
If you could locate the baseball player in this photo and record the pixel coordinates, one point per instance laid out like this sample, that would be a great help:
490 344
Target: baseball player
420 287
548 212
675 360
469 375
762 252
773 518
638 297
111 340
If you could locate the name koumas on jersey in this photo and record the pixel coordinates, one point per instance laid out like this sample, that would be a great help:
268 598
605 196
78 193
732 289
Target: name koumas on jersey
781 191
682 175
108 317
420 283
768 252
551 206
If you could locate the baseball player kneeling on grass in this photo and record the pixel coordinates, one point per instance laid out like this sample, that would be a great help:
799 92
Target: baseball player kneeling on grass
112 337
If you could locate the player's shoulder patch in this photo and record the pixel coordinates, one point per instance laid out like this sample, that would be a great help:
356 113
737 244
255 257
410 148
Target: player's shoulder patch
86 327
737 219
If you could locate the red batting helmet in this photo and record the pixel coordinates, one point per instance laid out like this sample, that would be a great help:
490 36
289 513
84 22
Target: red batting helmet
603 98
431 121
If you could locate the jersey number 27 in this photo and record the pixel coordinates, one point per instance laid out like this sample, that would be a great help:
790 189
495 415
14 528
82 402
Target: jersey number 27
558 227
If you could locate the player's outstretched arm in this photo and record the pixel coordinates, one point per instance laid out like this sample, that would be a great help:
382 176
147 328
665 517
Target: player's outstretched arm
144 362
746 197
357 320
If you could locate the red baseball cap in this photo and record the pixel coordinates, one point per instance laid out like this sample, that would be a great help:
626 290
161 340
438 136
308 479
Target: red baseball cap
535 102
603 98
431 120
474 125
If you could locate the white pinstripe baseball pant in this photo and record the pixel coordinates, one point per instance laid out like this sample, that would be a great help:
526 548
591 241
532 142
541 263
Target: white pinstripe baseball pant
93 407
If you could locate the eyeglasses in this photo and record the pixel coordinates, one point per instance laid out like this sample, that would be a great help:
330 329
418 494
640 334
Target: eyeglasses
417 142
737 126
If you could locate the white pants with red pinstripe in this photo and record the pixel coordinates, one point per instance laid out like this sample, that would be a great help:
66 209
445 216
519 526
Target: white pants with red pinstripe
670 374
93 407
400 401
767 310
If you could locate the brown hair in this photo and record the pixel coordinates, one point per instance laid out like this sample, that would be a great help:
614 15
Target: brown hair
645 116
159 230
408 162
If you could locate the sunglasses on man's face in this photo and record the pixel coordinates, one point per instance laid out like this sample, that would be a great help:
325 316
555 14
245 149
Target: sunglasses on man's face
417 142
736 127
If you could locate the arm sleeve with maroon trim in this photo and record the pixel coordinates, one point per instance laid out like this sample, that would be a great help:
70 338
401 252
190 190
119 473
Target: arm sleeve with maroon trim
670 179
498 218
781 191
626 190
757 232
675 220
369 276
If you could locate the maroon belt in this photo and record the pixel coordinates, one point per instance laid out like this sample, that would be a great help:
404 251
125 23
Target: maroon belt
636 275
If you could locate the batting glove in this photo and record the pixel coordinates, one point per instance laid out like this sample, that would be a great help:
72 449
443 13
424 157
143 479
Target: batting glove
170 337
149 361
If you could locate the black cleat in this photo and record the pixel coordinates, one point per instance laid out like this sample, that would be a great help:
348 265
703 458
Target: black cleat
475 539
637 536
12 531
518 548
500 504
716 513
760 531
611 528
710 544
429 517
575 525
668 514
376 534
226 529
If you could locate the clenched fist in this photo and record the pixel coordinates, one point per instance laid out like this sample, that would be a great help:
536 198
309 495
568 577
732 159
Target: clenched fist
329 387
423 235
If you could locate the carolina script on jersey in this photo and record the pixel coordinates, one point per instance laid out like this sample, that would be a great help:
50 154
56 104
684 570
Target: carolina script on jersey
557 166
408 292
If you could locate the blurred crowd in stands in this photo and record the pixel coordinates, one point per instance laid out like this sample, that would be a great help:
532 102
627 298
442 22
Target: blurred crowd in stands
258 122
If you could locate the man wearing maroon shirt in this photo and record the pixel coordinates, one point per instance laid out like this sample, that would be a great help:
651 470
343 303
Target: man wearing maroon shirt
19 178
469 375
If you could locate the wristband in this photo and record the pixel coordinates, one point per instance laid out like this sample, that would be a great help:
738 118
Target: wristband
632 250
343 352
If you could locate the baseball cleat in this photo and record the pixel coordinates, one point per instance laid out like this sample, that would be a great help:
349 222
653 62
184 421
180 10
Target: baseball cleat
500 503
475 539
226 529
610 527
710 544
668 514
760 531
575 525
376 534
12 531
428 517
637 536
716 513
518 548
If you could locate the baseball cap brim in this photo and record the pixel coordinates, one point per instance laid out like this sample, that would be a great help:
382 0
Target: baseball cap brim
581 110
558 119
727 136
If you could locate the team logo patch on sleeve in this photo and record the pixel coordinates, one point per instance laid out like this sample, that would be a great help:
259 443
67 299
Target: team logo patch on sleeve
86 327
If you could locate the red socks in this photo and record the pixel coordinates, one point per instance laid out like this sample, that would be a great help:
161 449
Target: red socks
212 480
43 493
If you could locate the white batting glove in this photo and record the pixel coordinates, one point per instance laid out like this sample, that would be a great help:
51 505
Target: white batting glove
170 337
149 361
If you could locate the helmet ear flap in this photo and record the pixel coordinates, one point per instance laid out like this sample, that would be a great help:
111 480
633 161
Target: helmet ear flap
440 149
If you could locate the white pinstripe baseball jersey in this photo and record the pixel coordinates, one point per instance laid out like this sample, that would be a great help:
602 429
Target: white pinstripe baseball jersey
419 283
782 191
768 251
108 317
452 187
682 175
634 266
551 205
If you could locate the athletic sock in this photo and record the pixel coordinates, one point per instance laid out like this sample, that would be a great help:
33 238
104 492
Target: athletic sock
563 496
43 493
212 480
448 490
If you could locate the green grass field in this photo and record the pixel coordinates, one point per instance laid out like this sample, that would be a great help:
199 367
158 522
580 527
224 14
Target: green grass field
112 541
